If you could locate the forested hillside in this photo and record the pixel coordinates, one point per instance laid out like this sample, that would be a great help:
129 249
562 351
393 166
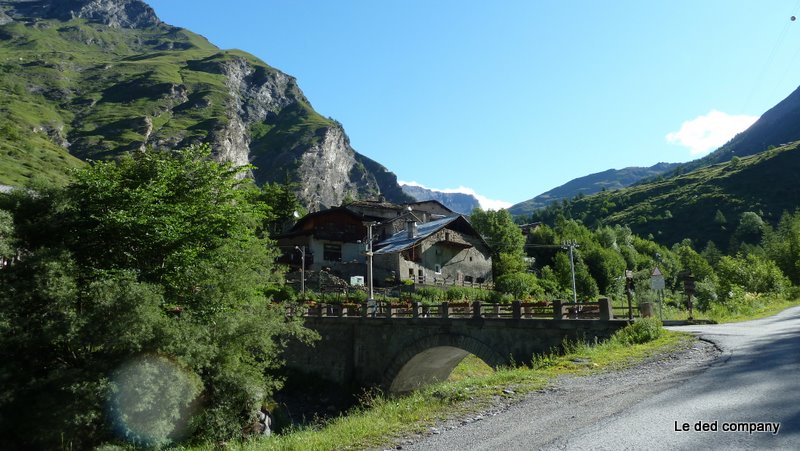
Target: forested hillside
704 205
609 180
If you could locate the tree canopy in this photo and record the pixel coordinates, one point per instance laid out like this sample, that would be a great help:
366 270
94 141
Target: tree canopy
139 311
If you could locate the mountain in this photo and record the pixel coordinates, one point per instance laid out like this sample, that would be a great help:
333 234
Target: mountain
90 79
757 171
610 180
703 205
779 125
458 202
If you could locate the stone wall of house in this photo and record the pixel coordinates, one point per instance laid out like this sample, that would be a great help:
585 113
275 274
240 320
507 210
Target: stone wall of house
447 249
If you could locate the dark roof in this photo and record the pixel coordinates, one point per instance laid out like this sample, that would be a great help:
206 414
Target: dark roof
297 228
373 204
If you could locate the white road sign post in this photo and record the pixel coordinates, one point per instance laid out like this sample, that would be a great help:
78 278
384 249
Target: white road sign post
657 284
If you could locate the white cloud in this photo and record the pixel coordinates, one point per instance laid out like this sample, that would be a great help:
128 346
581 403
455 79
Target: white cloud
486 203
705 133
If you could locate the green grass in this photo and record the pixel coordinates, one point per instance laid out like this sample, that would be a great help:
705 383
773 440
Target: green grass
471 388
756 308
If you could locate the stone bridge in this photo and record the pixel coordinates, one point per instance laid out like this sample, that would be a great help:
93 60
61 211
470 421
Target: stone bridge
400 349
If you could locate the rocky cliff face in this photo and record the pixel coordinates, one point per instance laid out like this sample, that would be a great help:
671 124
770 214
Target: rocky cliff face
182 90
113 13
5 18
326 169
458 202
250 100
321 161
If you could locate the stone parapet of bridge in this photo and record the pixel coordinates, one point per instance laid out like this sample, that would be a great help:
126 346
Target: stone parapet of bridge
401 348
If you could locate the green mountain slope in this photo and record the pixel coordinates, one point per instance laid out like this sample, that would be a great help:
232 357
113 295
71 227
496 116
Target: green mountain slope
779 125
612 179
687 206
88 80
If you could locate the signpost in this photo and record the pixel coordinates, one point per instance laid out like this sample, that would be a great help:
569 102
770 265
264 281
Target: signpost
657 284
629 292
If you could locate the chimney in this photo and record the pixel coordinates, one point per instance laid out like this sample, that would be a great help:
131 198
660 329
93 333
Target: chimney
411 228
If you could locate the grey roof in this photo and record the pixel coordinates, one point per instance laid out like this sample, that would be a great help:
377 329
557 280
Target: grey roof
400 240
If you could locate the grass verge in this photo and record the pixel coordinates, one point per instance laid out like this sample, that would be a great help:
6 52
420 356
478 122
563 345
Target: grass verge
756 308
380 420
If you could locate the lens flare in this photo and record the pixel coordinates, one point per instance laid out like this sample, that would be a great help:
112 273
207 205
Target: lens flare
151 400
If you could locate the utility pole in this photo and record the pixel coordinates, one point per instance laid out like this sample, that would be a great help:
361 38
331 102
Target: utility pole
369 262
302 250
571 245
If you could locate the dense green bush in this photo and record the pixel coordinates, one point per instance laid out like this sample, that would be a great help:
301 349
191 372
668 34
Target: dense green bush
280 293
428 295
357 296
640 331
706 293
520 285
752 274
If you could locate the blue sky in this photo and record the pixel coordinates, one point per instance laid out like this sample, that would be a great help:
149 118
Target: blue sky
513 98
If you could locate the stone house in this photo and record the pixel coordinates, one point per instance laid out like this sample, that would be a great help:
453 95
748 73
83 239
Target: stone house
446 250
423 241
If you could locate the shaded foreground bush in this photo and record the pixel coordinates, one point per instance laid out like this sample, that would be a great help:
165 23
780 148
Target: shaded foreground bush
139 313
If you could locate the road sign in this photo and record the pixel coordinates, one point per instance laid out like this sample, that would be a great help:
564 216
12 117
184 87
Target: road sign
657 280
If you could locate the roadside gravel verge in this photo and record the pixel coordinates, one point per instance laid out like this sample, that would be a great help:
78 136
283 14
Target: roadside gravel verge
544 419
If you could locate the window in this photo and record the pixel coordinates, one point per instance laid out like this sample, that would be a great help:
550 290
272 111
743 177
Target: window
332 252
437 269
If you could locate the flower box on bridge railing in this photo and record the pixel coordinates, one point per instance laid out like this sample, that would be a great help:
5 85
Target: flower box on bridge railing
583 310
463 310
538 310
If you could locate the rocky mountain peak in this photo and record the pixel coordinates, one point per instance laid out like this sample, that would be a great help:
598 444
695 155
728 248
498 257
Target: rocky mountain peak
114 13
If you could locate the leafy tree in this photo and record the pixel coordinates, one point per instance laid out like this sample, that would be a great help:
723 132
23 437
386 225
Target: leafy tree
504 237
751 273
520 285
692 261
585 285
543 241
142 296
712 254
749 231
606 266
720 219
284 206
7 239
783 245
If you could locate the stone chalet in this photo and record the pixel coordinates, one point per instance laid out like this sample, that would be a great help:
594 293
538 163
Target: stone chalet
424 242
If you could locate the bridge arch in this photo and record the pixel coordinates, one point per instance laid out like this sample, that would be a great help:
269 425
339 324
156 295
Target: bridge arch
432 359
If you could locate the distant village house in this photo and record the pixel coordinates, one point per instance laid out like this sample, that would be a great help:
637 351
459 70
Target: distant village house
422 242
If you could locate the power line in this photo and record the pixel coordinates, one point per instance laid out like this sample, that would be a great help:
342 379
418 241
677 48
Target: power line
770 58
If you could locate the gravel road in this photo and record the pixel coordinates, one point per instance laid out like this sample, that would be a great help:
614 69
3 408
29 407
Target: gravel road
723 377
